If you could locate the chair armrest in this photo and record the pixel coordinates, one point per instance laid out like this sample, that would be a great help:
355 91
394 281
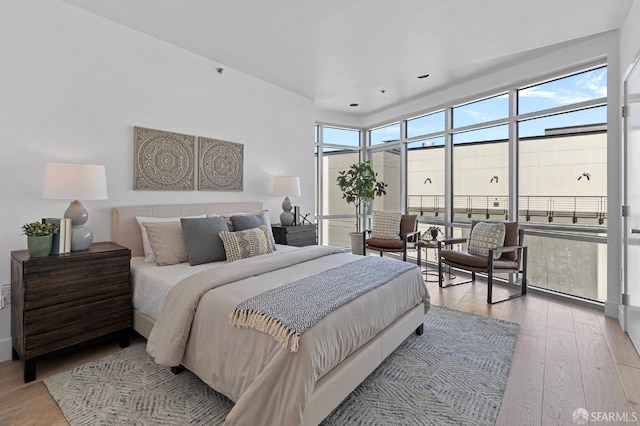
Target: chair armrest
411 234
506 249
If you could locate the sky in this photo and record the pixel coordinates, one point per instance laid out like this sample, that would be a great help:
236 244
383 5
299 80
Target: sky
569 90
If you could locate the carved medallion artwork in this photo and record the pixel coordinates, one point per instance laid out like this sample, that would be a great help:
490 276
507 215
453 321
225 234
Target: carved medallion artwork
163 160
220 165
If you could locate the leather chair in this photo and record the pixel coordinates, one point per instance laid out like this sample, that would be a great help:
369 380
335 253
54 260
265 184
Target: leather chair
513 258
408 233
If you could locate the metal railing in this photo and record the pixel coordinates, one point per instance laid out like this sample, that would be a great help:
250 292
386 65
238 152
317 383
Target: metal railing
550 207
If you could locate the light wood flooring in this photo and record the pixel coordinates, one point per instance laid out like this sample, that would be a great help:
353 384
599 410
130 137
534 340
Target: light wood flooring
567 357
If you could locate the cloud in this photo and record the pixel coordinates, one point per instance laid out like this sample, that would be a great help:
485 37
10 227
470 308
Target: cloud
579 88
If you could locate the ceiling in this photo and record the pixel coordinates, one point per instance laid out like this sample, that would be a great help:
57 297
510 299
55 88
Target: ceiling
339 52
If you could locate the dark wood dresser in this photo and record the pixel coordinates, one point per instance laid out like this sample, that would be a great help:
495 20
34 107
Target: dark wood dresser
300 235
59 301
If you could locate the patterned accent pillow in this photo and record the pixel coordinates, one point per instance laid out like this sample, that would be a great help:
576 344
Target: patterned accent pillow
485 236
243 221
247 243
386 225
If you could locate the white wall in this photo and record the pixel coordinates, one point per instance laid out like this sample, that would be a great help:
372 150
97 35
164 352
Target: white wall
630 37
73 87
629 53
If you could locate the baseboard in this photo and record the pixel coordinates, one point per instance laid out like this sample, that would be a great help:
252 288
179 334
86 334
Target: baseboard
622 317
5 349
611 309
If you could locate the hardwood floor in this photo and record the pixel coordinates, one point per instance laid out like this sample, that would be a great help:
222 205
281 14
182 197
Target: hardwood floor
567 357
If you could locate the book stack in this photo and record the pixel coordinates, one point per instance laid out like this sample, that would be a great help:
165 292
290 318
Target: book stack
62 240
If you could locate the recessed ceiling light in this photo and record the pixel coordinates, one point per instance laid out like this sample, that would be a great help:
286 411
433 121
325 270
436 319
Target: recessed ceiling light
423 76
353 105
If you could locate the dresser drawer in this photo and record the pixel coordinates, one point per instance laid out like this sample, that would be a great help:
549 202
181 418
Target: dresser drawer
300 235
76 281
47 330
301 239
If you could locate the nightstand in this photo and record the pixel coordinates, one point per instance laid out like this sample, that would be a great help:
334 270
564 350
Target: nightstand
300 235
59 301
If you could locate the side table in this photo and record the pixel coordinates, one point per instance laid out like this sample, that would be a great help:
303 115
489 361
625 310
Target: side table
299 235
59 301
435 244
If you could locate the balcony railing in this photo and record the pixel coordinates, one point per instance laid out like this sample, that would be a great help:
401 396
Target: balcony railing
592 208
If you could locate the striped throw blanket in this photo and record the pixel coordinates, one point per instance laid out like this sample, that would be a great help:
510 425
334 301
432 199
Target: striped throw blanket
288 311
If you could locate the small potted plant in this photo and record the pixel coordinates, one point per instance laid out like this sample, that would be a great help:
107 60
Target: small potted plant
360 186
39 237
434 231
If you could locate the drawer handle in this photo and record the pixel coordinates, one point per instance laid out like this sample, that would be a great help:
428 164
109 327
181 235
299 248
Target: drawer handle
635 231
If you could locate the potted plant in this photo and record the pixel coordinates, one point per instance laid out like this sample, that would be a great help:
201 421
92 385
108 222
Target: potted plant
360 186
39 237
434 231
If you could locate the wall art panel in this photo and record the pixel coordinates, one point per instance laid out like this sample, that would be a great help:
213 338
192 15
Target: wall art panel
163 160
220 165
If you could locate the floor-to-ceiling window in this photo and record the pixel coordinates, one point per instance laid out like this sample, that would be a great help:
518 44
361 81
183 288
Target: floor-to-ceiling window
481 159
534 152
336 150
426 168
385 157
562 190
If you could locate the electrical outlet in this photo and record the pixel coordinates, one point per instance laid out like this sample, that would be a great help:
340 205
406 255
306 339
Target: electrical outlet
5 295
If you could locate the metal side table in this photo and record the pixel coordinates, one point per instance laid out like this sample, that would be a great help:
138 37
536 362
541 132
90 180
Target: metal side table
435 244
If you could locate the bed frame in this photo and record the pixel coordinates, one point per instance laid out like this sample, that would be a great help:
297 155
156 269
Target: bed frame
336 385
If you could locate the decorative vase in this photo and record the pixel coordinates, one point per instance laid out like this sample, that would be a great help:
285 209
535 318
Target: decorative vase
434 234
39 246
357 243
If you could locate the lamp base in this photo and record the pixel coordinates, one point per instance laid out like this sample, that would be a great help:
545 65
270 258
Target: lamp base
286 218
81 238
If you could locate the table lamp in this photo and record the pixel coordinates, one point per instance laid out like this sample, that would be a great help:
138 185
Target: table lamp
286 185
75 182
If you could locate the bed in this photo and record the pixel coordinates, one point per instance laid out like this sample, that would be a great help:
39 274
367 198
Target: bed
227 365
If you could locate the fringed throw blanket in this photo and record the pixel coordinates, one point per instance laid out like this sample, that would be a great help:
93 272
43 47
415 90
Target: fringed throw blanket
288 311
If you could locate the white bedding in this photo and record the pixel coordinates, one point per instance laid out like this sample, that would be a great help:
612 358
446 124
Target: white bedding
151 283
269 384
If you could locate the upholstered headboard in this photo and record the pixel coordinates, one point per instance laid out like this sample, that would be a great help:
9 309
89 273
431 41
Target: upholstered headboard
126 232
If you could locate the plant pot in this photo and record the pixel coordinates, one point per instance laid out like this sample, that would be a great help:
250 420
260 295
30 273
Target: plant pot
39 246
357 243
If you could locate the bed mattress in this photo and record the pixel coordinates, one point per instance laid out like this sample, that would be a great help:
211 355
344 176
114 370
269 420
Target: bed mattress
151 283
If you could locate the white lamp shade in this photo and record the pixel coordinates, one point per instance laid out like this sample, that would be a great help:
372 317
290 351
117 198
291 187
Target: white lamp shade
70 181
286 185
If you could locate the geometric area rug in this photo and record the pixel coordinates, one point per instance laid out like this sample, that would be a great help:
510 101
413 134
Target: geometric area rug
454 374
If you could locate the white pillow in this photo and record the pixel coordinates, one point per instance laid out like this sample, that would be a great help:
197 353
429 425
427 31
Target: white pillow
485 236
149 256
386 225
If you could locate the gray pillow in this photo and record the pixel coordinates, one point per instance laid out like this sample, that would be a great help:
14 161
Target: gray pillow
253 220
202 239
